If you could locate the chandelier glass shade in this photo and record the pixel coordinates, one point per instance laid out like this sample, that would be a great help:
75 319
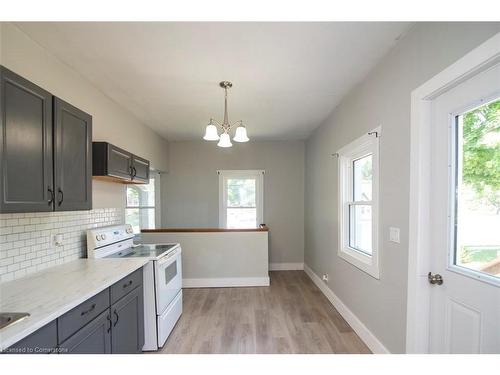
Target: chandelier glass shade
211 133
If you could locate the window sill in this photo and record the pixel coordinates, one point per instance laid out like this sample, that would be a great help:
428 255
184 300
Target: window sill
360 260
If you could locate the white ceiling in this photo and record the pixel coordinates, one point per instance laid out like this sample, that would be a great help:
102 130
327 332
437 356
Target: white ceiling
287 76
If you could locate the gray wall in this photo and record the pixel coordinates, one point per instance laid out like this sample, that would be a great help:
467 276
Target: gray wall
382 98
191 189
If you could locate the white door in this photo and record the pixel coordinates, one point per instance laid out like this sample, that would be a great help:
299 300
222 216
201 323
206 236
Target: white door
465 217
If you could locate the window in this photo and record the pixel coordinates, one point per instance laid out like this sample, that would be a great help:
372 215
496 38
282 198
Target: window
358 202
241 199
476 188
142 206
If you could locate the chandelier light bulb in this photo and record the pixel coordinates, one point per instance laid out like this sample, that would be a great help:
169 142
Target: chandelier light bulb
225 141
211 133
241 134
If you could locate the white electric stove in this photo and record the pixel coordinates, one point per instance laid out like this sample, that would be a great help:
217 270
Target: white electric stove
162 277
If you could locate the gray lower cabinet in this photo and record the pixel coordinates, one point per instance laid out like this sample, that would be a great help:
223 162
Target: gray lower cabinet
112 321
94 338
42 341
127 334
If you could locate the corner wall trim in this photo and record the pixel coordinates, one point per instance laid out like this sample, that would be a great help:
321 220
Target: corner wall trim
357 325
286 266
228 282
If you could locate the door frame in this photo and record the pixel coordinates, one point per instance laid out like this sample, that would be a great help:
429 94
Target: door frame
418 295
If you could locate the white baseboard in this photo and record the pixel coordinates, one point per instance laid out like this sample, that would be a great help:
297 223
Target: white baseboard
286 266
227 282
357 325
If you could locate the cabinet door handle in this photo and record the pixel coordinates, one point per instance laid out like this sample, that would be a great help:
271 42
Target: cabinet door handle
127 284
51 192
89 310
108 317
135 172
117 317
60 192
131 172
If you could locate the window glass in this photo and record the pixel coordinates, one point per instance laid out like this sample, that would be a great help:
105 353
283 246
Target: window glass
360 228
362 178
241 192
141 195
241 200
238 218
140 206
477 231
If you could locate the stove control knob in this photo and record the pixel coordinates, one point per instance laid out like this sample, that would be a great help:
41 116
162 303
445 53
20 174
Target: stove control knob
97 238
103 237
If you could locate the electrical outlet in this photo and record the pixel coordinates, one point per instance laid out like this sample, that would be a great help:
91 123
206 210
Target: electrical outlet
325 277
58 239
394 234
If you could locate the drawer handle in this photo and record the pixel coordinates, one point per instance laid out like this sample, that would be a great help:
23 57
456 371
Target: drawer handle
108 317
89 310
117 317
127 284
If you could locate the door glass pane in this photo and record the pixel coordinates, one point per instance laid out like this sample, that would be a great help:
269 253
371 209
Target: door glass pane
477 229
360 228
362 178
238 218
241 192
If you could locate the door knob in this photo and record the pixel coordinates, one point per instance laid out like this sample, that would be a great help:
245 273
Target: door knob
435 279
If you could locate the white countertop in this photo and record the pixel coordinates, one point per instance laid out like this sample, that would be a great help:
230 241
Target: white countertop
50 293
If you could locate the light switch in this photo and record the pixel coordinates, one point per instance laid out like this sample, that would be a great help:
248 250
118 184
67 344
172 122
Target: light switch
394 234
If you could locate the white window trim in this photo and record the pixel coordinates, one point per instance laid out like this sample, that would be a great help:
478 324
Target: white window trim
259 193
158 179
367 144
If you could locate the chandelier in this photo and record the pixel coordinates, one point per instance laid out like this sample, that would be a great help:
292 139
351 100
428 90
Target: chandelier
224 139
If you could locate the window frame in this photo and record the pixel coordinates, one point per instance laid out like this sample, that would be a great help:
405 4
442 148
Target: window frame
259 192
157 204
368 144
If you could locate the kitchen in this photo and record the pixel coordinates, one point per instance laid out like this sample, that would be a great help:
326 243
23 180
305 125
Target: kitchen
154 199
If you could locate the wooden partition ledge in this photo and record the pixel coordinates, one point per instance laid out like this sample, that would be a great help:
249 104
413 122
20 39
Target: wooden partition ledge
203 230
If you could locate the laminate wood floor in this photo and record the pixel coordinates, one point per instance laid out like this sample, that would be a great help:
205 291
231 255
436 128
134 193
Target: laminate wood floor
290 316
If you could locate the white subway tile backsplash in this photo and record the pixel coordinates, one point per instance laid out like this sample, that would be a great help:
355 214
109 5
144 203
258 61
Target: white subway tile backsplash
26 240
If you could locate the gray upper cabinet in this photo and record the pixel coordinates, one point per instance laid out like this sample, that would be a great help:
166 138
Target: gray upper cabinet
45 150
127 335
25 145
72 157
119 162
140 168
115 164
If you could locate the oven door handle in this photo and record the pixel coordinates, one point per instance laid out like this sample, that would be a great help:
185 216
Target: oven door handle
167 258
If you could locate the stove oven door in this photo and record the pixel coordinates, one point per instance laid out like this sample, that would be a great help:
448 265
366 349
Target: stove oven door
168 279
